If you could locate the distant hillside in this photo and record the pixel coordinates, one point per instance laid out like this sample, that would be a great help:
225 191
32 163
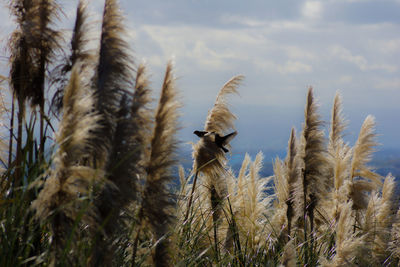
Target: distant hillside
385 161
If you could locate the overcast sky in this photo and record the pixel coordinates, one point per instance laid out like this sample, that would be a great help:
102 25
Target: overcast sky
281 47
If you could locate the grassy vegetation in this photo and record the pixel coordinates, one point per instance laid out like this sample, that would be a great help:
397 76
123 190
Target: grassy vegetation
100 193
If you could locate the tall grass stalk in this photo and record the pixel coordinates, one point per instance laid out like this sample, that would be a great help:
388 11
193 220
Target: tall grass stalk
103 193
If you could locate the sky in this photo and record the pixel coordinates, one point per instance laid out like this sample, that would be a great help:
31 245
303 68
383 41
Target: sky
281 47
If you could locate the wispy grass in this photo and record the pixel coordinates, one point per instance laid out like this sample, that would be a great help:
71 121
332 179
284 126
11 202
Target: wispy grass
102 195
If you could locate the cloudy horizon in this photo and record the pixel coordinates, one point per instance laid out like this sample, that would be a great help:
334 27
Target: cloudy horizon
282 48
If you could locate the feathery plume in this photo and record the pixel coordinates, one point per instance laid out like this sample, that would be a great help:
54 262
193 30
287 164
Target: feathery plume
281 190
257 201
46 41
78 53
313 184
111 83
23 68
141 116
369 227
69 179
394 245
281 182
338 124
292 176
362 155
241 183
339 160
126 161
251 216
363 150
285 178
384 219
208 153
220 118
157 204
22 56
208 157
113 77
348 242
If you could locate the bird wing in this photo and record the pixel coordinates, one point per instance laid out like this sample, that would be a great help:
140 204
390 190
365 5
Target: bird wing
200 133
227 138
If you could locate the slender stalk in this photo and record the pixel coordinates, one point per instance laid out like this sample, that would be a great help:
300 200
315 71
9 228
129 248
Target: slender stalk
42 71
135 243
191 197
305 217
10 143
42 138
17 173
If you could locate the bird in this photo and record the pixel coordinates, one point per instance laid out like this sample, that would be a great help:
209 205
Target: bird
220 141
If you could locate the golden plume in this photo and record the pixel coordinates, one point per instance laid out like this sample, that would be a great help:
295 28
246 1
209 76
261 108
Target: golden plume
313 184
157 204
69 179
219 120
362 155
113 78
292 173
338 124
208 153
78 53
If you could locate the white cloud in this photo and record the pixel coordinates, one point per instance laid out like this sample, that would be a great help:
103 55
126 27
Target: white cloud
208 48
360 61
346 55
294 67
346 79
289 67
386 46
296 52
393 84
241 20
312 9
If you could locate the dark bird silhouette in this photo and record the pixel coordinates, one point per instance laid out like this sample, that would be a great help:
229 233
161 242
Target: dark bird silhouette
220 141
